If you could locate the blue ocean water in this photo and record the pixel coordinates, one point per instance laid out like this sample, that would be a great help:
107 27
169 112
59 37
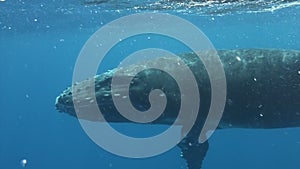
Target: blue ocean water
39 44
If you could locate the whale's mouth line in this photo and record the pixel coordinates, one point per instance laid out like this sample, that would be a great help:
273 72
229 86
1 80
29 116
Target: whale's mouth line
62 106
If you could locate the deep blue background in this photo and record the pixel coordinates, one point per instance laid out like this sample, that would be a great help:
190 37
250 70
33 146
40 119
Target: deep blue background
36 62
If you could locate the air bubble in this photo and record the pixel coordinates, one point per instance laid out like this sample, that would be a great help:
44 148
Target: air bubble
23 162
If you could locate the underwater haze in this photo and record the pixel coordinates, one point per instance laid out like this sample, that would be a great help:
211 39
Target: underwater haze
41 40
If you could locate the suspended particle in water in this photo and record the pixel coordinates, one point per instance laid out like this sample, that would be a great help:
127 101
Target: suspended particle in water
23 162
110 165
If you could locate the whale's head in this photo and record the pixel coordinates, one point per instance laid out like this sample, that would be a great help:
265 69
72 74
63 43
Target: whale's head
86 99
93 99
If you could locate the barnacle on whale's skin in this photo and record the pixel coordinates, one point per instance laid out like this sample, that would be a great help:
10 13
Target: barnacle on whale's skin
263 91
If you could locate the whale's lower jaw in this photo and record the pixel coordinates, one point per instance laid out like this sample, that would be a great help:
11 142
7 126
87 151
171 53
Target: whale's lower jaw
263 91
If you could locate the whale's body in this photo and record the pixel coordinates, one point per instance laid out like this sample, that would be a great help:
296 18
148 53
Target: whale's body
263 91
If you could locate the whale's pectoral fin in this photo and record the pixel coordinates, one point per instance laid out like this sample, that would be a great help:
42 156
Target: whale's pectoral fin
193 153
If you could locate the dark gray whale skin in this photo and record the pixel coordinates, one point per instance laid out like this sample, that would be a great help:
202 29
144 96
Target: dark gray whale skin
263 91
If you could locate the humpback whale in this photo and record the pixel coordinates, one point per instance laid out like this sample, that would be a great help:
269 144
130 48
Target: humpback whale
263 92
